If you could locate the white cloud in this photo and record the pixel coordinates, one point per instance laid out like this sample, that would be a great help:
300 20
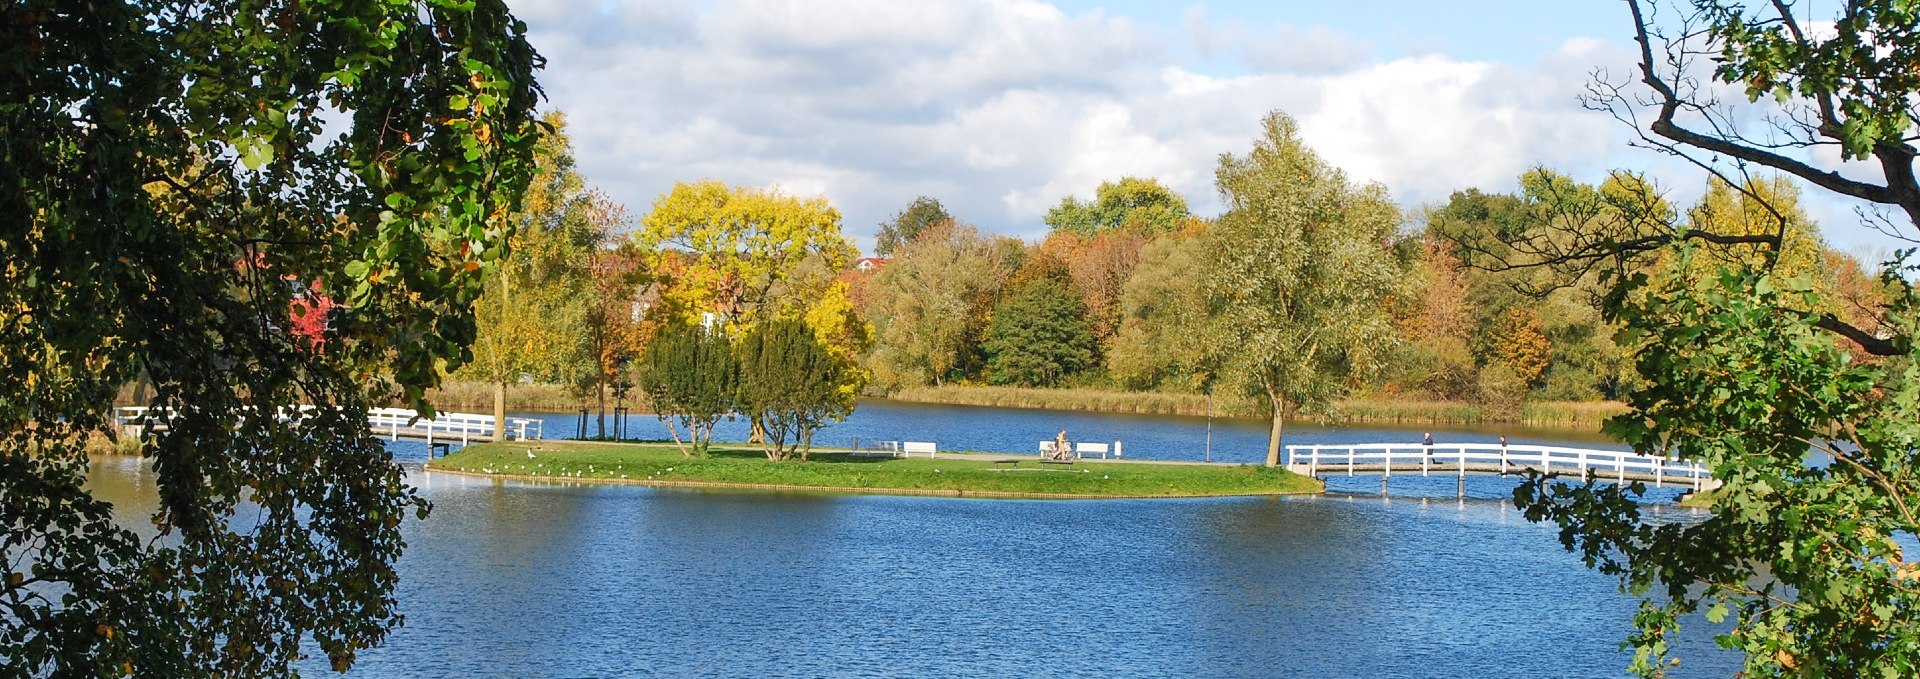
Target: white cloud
1001 107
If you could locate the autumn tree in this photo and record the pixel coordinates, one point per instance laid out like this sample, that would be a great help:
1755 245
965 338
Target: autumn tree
907 224
1098 269
1301 269
734 248
528 317
1436 326
1750 367
611 332
931 304
1145 205
167 168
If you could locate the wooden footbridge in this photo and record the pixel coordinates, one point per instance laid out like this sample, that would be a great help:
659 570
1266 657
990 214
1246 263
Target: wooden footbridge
1461 459
393 423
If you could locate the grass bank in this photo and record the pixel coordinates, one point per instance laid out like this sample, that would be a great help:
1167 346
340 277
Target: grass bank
662 464
1571 414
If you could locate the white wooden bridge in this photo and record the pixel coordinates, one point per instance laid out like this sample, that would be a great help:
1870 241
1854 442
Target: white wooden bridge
1461 459
393 423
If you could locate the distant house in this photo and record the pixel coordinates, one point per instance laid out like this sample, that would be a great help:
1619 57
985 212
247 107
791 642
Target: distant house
869 264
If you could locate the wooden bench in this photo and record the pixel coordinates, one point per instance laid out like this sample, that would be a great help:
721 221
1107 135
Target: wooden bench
1051 461
1007 463
444 448
908 448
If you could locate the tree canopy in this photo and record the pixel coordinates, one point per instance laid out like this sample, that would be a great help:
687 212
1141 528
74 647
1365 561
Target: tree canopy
734 251
1141 204
907 224
1807 414
1039 336
1302 270
171 174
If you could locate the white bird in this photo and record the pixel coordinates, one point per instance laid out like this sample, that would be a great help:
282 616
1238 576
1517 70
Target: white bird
529 453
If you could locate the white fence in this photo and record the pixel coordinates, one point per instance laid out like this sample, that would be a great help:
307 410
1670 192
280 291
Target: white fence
1493 458
390 422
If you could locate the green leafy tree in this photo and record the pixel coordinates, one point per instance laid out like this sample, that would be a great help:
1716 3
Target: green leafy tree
690 375
171 173
1749 369
1039 336
1163 311
792 384
907 224
1301 272
1144 205
930 305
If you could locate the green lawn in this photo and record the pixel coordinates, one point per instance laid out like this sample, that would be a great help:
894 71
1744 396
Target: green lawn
662 463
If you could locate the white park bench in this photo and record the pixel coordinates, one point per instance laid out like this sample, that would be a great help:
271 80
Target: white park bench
908 448
878 449
1084 449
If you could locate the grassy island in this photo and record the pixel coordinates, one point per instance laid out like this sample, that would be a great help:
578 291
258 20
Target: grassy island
959 474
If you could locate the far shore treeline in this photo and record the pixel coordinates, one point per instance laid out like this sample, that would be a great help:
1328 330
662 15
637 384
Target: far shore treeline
1311 295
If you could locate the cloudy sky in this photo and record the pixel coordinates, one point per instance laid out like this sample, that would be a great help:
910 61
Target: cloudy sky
1000 107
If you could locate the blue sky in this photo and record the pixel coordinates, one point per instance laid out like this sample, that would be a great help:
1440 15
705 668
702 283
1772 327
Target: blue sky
1001 107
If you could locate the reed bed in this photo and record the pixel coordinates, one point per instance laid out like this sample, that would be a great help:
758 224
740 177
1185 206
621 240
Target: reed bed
1578 414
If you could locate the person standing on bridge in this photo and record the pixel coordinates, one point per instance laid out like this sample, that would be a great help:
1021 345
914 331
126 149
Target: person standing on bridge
1428 442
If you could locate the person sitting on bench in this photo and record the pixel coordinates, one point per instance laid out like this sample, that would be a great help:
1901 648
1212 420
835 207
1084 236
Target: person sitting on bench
1061 450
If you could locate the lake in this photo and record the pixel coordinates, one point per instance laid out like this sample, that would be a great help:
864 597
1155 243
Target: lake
563 580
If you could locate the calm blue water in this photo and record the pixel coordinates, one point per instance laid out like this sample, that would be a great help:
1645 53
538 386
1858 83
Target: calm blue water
520 579
548 580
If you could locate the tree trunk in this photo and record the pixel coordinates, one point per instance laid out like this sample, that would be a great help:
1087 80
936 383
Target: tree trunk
500 411
140 388
1279 423
601 389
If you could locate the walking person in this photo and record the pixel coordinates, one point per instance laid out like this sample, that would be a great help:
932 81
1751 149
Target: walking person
1428 442
1060 450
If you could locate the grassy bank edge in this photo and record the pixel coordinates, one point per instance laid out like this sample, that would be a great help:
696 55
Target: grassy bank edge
850 490
642 454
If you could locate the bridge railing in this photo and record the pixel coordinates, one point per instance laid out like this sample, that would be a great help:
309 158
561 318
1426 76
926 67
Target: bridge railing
1461 458
392 422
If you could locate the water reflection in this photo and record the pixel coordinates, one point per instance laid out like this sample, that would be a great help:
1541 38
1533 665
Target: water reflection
553 580
563 580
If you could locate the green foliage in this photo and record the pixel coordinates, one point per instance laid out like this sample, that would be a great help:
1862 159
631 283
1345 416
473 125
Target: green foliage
1864 72
1163 309
907 225
1039 336
529 313
1142 204
173 171
690 375
1302 271
1802 556
930 306
791 384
